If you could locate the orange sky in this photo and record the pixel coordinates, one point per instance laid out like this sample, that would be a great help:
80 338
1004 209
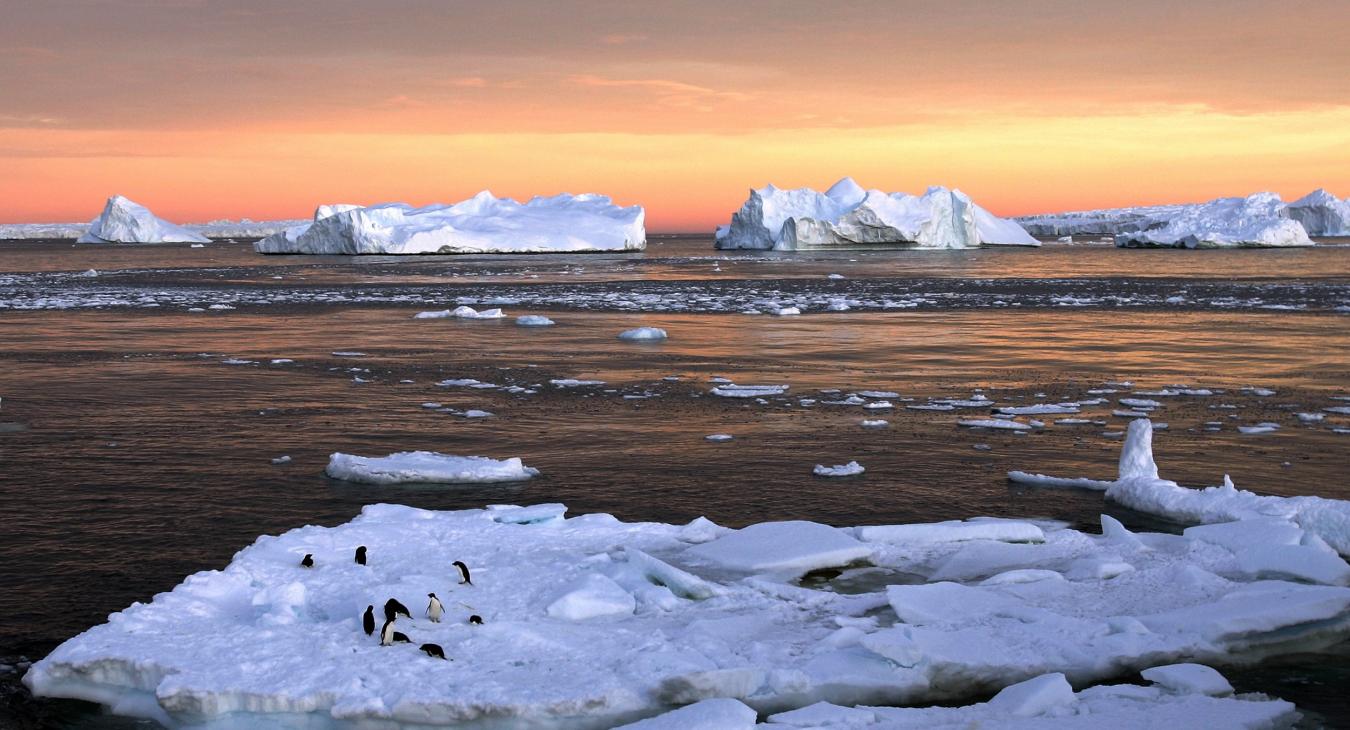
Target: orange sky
210 110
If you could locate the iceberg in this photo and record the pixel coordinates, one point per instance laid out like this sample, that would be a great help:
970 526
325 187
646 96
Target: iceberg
426 467
1258 220
591 622
482 224
848 216
1322 213
124 221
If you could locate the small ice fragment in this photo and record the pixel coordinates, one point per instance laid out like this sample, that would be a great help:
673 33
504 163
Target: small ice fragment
643 334
852 468
533 320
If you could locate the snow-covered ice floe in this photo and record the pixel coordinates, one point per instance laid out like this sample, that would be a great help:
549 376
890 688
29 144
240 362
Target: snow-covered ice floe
426 467
643 334
533 320
731 390
848 216
124 221
463 312
590 622
850 469
481 224
1319 524
1259 220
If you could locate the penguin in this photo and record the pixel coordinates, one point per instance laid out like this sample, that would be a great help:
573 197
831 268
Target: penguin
307 561
389 636
433 650
393 608
368 620
361 555
476 620
463 572
434 608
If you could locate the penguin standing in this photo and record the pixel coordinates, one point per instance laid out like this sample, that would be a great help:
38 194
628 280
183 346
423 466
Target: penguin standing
368 620
389 637
433 650
307 561
392 608
463 572
434 608
361 555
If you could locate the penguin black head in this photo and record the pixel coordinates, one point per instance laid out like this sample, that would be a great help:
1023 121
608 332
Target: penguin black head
307 561
433 650
431 595
476 620
361 555
463 572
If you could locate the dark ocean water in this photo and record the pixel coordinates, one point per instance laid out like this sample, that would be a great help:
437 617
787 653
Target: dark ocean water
133 454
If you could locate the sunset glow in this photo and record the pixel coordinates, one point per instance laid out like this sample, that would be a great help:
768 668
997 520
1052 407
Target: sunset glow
265 110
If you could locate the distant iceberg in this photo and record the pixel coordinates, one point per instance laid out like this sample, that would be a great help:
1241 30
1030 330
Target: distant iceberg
1258 220
481 224
848 216
124 221
1322 213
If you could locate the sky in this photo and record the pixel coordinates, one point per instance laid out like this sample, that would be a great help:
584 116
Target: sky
204 110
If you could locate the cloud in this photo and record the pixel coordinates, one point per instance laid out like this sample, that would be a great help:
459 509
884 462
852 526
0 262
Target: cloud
667 92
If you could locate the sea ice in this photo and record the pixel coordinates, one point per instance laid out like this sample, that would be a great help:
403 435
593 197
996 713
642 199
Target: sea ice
643 334
790 547
846 215
123 221
420 467
533 320
481 224
1257 220
850 469
730 390
993 423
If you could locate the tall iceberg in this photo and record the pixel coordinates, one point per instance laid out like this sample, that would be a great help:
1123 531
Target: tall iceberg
846 215
1322 213
124 221
481 224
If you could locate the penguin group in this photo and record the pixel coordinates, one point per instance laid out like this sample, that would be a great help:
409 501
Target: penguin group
393 609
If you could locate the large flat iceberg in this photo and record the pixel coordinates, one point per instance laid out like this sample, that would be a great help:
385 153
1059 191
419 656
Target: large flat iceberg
1258 220
124 221
481 224
848 216
590 622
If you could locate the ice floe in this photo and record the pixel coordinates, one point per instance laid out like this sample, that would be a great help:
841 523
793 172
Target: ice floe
481 224
426 467
123 221
846 215
533 320
643 334
850 469
731 390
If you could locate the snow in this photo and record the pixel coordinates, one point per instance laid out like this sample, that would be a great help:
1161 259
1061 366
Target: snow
1259 219
720 713
643 334
591 622
850 469
422 467
1322 213
124 221
533 320
795 546
846 216
481 224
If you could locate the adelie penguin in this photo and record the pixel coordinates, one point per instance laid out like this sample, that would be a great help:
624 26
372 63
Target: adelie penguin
463 572
389 637
307 561
392 608
368 620
434 609
476 620
433 650
361 555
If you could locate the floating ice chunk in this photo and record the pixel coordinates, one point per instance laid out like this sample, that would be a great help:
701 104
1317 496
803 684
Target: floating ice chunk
878 394
1259 428
795 546
993 423
481 224
123 221
718 713
748 391
875 423
718 437
533 320
1034 697
932 407
467 312
1140 403
1040 409
574 383
349 353
954 531
852 468
643 334
1042 480
437 314
281 460
592 596
1189 679
413 467
787 311
1310 417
